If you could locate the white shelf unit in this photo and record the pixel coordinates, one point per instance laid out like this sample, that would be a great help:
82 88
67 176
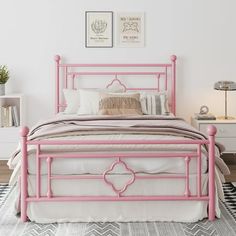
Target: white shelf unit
9 136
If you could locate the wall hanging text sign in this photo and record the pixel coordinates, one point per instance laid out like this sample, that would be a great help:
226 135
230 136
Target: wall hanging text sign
130 30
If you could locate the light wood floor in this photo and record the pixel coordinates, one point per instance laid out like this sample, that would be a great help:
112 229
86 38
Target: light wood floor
230 160
5 173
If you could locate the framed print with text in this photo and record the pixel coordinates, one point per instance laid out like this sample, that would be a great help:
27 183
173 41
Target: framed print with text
130 29
99 29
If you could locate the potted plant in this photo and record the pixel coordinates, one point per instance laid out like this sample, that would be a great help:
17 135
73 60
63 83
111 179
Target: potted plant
4 76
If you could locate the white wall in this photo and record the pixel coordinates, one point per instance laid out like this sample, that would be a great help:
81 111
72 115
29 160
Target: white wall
200 32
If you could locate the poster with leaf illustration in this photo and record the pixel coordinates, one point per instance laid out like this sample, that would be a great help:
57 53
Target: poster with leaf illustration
99 29
130 29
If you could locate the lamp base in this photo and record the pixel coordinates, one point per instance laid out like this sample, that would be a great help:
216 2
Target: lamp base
225 118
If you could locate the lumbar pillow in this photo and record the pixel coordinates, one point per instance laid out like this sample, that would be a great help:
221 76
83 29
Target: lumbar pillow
89 100
119 104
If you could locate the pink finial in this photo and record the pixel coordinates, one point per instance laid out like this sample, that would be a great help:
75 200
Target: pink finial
173 58
57 58
211 130
24 131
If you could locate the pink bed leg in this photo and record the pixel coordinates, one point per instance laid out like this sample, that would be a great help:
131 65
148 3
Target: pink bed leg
24 132
211 130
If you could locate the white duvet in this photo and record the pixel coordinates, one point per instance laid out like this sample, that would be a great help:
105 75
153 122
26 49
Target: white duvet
98 166
186 211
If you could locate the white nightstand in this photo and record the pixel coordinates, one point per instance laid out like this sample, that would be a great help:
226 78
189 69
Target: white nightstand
226 132
9 136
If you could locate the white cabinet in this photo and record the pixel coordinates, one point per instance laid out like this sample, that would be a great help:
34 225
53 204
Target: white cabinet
226 132
9 136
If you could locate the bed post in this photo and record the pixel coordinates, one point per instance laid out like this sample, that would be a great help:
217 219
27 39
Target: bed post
173 88
211 130
24 186
57 59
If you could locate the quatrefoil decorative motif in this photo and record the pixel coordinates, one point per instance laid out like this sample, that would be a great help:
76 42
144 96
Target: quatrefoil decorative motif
109 171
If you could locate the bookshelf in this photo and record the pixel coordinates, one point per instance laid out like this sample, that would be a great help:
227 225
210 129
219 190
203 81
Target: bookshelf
11 119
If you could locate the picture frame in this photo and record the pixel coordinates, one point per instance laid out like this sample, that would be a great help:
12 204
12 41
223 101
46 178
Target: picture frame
98 29
130 29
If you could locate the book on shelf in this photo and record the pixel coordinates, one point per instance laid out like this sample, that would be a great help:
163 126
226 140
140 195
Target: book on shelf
4 116
208 116
9 116
15 116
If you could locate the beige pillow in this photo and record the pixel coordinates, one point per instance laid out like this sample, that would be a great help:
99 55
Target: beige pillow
119 104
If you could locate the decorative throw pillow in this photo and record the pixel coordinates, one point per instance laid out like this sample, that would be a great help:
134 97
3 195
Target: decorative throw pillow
165 110
120 104
154 103
72 100
89 100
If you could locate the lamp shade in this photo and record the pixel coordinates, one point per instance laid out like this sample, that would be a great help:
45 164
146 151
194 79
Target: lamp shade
225 85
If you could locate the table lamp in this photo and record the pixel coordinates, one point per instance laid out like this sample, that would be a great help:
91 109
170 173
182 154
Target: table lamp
225 86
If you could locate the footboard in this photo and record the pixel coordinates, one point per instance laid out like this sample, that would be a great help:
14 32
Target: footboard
119 193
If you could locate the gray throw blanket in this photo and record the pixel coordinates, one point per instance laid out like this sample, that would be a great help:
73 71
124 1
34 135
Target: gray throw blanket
87 125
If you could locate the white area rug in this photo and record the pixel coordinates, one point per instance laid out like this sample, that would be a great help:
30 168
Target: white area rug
10 225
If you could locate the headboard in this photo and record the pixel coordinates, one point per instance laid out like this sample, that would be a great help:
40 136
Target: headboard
163 74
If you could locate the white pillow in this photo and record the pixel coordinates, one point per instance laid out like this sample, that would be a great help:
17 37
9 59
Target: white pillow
72 97
89 102
154 103
72 100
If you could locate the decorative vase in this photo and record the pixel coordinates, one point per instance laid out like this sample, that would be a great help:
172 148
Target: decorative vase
2 89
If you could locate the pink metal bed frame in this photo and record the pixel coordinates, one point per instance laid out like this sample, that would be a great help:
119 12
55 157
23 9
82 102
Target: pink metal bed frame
72 71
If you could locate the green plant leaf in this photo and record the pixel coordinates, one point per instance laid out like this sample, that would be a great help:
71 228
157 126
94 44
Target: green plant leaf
4 74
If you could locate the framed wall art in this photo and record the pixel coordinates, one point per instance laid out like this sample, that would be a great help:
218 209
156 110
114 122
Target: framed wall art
130 29
98 29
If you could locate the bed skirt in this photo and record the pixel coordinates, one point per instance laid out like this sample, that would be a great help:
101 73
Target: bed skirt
132 211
